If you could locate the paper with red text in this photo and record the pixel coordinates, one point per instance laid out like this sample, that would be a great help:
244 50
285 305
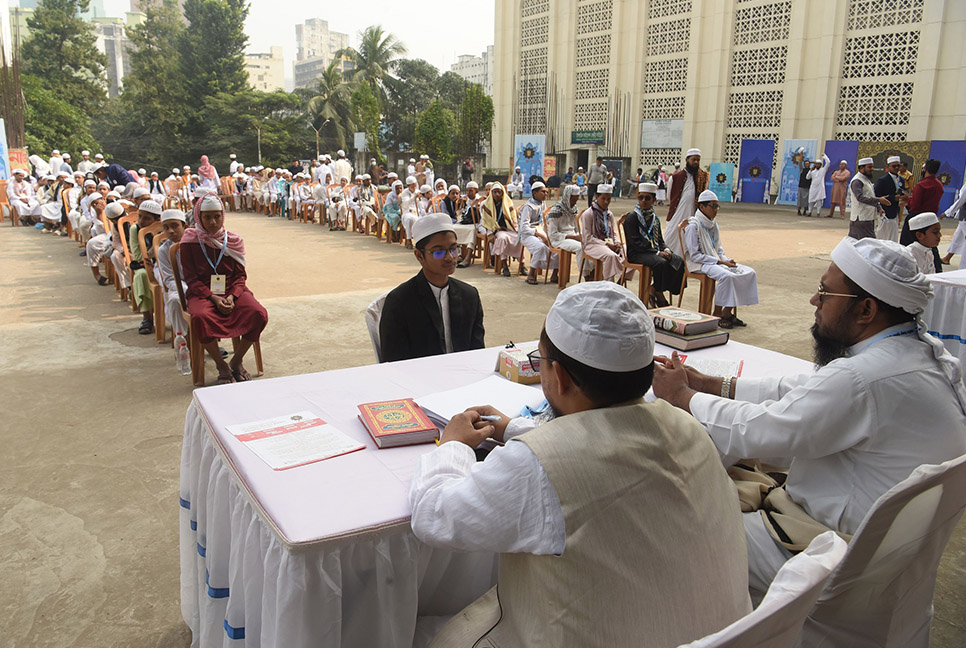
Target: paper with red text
293 440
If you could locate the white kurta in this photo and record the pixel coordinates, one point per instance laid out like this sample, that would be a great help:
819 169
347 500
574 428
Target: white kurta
958 244
816 191
408 211
852 430
21 195
342 169
924 257
683 211
736 286
529 218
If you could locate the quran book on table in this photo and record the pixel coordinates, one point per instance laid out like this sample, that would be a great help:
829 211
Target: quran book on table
681 321
396 423
691 342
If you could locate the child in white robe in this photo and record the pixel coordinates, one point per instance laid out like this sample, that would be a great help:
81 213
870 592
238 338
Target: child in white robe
928 232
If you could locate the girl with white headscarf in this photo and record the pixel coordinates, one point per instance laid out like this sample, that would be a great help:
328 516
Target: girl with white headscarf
735 284
391 210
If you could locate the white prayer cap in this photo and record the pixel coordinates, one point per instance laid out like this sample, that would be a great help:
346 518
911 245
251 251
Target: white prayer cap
842 162
865 161
78 173
540 185
440 181
392 174
172 214
472 184
424 157
602 325
424 188
19 172
62 174
194 176
518 168
201 192
154 173
248 169
647 187
68 180
90 183
99 156
395 184
140 191
893 159
210 203
366 176
151 207
55 152
340 153
693 151
186 168
451 187
174 171
885 270
141 171
605 189
580 168
114 210
232 156
431 224
359 176
677 164
922 221
410 180
104 184
707 196
66 156
112 193
412 159
85 152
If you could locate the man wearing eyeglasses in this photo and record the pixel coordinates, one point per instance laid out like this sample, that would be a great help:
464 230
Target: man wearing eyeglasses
612 519
886 398
432 313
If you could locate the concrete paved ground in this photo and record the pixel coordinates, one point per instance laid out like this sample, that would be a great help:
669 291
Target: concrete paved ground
93 413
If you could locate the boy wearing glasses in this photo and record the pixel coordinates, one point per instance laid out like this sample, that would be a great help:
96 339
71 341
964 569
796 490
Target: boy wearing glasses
735 284
432 313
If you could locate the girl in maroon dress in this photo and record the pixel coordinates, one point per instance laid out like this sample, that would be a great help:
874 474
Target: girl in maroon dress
219 302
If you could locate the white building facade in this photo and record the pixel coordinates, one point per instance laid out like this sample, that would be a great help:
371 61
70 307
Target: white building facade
316 49
602 71
476 69
266 72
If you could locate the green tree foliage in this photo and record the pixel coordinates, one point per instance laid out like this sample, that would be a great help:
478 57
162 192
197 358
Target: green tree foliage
330 108
411 92
60 51
435 131
51 121
475 120
213 48
450 88
233 121
146 124
377 52
365 112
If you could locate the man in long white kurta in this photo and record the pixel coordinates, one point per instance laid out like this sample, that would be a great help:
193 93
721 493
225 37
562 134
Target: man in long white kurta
408 208
532 236
890 400
958 245
593 512
20 194
816 190
683 197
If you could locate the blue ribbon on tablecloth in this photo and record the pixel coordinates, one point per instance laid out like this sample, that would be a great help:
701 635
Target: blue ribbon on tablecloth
234 633
947 336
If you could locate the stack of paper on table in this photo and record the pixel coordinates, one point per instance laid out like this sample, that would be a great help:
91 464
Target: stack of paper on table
508 397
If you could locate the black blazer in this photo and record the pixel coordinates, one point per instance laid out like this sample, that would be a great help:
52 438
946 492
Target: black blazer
885 186
411 325
637 245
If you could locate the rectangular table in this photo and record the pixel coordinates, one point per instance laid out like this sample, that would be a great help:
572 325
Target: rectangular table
945 316
323 554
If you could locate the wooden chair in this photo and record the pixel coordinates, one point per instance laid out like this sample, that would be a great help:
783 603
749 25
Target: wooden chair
706 294
644 285
226 191
154 229
122 228
172 200
564 260
195 349
4 200
66 207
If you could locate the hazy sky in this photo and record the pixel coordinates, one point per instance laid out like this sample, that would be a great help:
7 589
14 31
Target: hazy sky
438 31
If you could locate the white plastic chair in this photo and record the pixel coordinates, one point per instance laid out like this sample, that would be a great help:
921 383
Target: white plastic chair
881 594
373 315
778 620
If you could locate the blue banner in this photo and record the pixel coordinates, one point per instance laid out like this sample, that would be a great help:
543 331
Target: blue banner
4 161
952 164
837 151
754 173
794 152
722 180
528 152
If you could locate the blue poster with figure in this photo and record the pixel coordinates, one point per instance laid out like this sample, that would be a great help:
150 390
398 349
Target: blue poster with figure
4 161
528 154
794 154
754 171
952 164
721 180
839 151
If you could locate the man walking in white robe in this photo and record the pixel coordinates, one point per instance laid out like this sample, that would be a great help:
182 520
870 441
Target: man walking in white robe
816 190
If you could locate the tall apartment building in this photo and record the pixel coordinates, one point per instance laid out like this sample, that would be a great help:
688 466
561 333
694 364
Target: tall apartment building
113 42
592 75
266 72
476 69
316 48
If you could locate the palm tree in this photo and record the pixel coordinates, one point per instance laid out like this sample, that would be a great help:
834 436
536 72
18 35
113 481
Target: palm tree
330 104
377 51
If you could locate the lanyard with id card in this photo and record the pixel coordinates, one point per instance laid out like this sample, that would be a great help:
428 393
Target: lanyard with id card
218 281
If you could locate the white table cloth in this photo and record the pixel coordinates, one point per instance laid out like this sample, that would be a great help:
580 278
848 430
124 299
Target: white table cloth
945 317
322 554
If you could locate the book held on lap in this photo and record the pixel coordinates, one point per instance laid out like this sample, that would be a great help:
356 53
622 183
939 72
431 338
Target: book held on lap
681 321
292 440
397 423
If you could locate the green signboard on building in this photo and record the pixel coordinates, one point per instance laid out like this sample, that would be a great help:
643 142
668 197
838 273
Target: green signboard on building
587 137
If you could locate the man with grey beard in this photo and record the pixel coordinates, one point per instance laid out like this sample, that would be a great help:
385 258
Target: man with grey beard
886 398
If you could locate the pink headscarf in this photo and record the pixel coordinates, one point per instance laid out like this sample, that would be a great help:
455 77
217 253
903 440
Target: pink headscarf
206 170
198 234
